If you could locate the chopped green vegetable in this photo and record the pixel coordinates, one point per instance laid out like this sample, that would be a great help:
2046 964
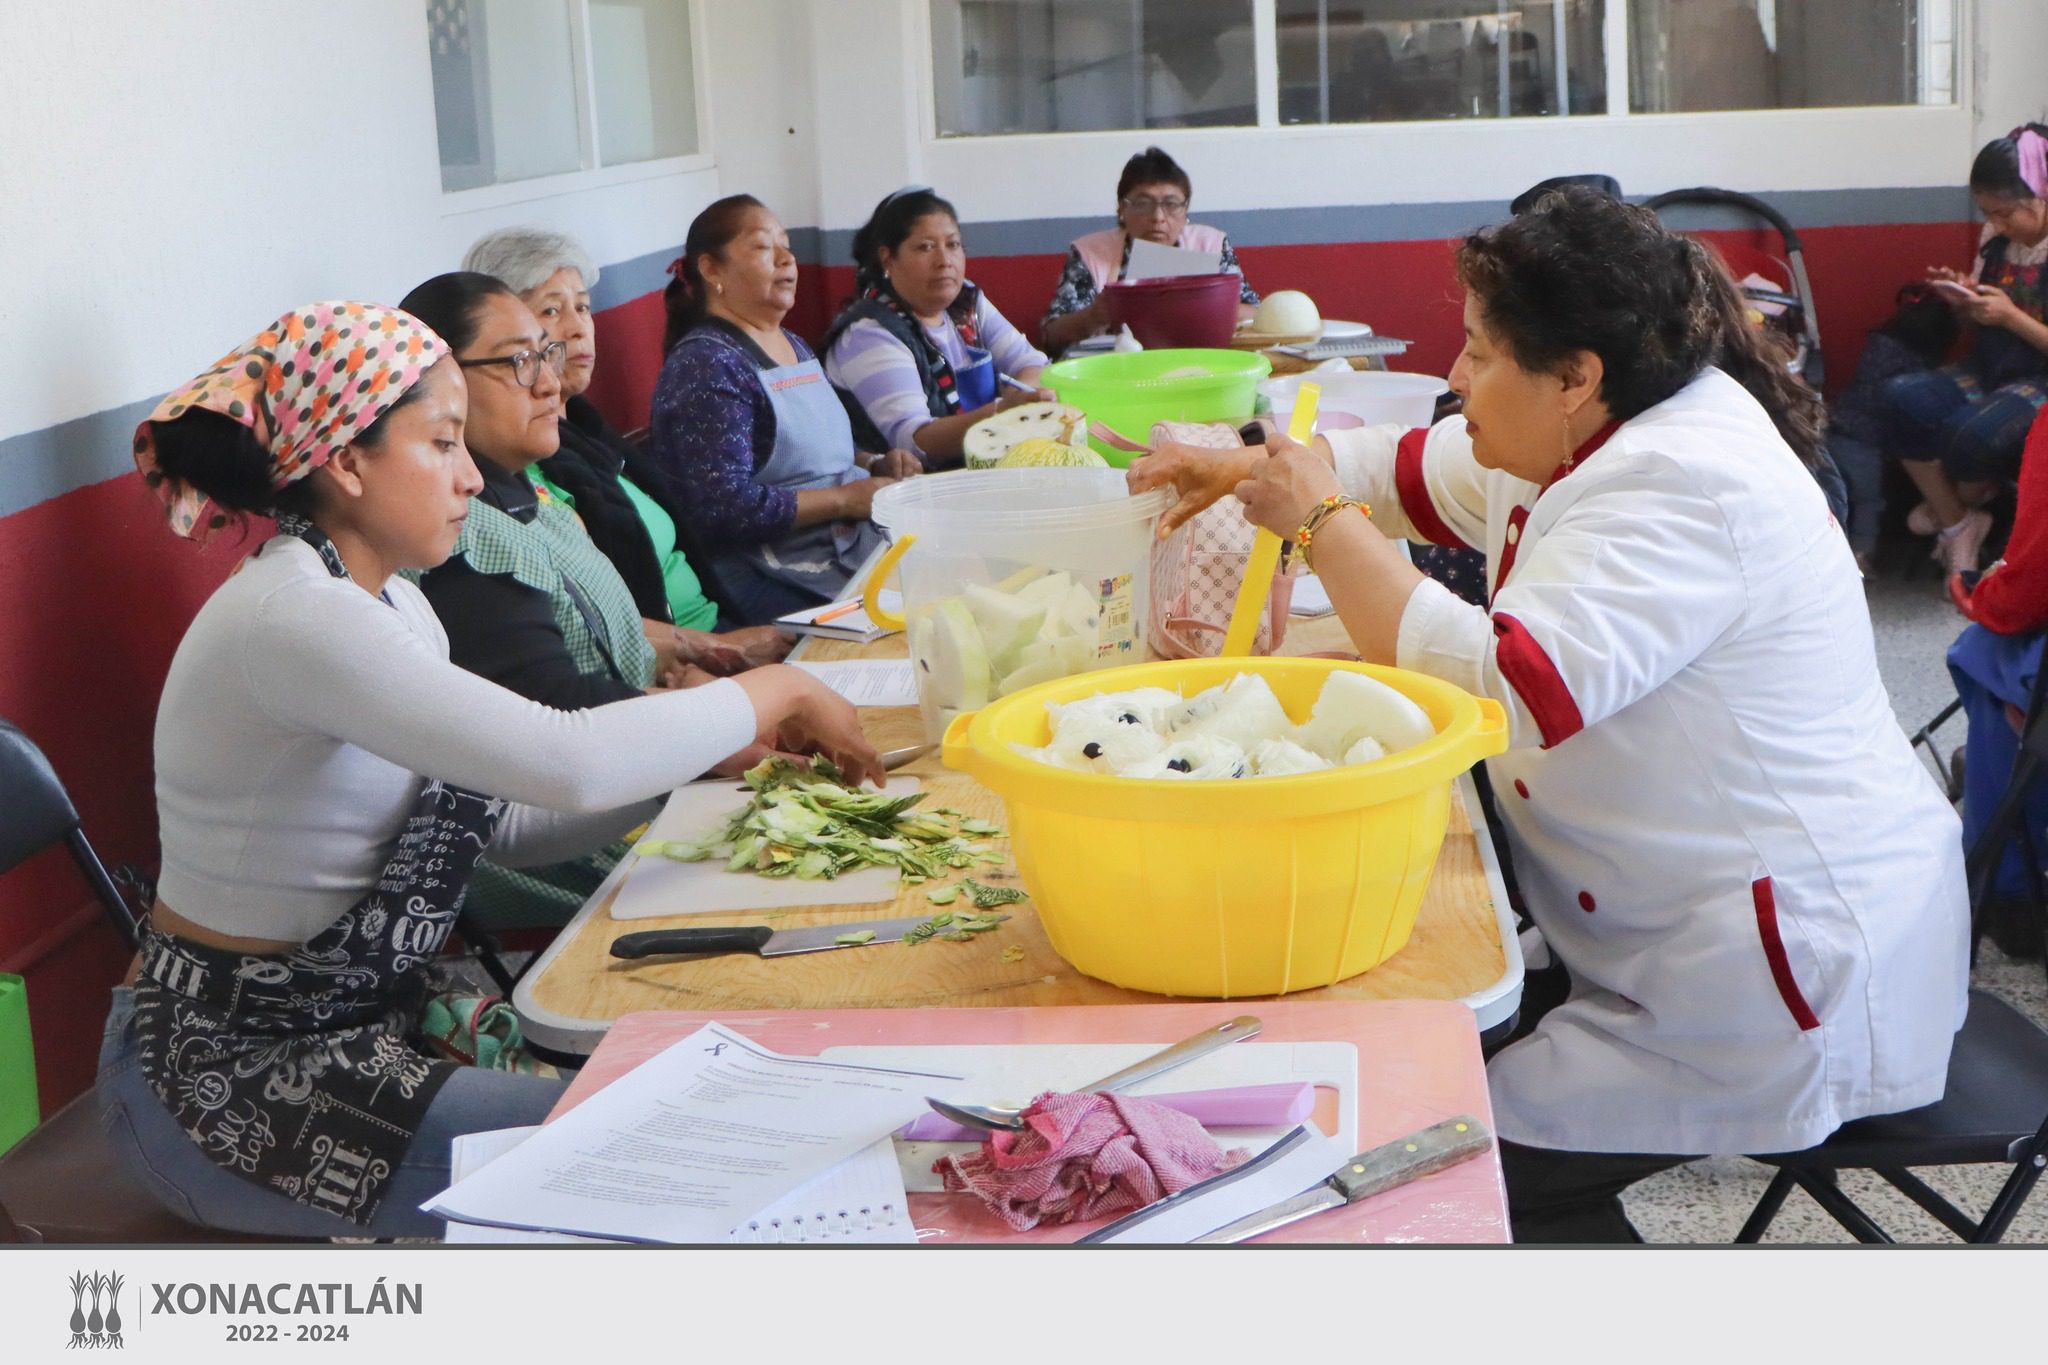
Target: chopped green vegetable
854 940
989 897
954 928
943 895
1014 953
806 823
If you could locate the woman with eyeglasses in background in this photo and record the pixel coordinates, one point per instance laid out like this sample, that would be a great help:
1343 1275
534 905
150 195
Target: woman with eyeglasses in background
1152 199
527 599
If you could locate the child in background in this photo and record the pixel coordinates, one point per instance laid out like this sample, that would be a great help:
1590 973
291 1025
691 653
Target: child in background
1959 430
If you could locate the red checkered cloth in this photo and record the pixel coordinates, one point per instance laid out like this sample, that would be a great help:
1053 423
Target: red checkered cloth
1086 1156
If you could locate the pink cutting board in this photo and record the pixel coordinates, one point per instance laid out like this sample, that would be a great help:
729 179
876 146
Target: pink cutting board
1418 1063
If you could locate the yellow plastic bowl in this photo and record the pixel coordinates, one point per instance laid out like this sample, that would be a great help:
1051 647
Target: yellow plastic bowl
1257 886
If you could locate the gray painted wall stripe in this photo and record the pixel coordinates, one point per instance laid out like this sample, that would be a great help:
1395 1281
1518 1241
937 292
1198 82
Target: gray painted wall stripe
56 460
47 464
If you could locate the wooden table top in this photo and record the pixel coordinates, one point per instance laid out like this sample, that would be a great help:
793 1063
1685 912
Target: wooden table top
1458 950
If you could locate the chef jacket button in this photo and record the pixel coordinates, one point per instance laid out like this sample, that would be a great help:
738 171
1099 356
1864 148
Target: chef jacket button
1586 901
1521 789
1514 533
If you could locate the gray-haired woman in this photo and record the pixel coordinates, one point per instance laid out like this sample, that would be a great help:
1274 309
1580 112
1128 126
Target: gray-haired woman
614 488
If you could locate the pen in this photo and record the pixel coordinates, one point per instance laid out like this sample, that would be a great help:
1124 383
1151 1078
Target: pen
845 609
1017 383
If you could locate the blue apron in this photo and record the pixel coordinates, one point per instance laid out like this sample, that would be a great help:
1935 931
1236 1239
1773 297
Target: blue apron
813 449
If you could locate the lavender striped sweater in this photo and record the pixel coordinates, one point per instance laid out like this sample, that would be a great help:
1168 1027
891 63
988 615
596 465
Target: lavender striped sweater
879 371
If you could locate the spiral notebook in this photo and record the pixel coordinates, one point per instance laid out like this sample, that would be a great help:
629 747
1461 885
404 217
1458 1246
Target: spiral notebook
859 1201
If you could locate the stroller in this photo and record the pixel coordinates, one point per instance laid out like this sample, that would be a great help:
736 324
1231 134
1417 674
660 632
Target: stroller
1777 287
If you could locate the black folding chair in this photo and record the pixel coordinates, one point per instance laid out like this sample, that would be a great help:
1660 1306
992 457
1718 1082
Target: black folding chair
36 812
1995 1112
1944 768
2008 819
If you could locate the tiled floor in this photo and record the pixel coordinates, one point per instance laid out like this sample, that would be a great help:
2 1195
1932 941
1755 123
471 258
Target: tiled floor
1707 1201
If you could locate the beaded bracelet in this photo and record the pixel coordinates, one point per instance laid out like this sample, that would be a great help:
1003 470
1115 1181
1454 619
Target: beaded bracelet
1328 508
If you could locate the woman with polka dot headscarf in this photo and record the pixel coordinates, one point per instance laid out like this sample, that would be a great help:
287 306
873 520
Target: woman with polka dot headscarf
327 780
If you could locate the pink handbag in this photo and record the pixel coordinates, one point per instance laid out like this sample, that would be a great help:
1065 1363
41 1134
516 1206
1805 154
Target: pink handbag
1197 571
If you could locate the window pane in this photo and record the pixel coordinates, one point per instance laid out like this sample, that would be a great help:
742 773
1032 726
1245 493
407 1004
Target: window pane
1046 66
504 90
1373 61
646 87
1789 54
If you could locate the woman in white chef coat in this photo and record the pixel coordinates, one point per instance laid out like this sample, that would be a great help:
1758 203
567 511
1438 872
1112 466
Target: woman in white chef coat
1718 826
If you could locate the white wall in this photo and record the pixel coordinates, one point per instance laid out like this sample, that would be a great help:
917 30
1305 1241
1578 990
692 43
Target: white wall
175 173
764 125
2010 66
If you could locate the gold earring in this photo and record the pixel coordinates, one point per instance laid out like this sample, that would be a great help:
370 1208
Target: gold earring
1564 432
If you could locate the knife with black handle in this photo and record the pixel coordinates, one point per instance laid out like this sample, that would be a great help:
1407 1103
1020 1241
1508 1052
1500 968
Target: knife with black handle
765 941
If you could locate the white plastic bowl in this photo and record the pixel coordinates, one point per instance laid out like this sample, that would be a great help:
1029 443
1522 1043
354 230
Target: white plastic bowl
1372 396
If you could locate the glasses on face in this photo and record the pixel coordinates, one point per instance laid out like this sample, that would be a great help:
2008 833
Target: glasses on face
526 364
1145 205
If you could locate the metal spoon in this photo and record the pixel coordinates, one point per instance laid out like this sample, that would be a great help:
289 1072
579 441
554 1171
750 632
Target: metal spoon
996 1118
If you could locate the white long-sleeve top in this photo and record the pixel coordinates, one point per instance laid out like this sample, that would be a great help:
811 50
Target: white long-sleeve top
1717 823
302 715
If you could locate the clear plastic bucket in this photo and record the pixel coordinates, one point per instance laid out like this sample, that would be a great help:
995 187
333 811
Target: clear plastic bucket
1014 577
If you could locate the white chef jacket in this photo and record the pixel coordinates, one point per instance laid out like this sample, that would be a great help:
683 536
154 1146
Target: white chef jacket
1717 822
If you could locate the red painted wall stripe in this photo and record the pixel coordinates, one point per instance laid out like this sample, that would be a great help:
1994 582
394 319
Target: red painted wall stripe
1766 900
1536 680
1413 490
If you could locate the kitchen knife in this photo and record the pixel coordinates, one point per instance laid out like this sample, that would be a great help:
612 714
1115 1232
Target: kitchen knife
762 939
1435 1148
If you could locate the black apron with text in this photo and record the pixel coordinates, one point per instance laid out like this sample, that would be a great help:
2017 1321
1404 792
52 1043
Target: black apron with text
293 1069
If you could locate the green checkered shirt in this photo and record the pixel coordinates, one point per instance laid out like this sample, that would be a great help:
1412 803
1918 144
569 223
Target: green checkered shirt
540 554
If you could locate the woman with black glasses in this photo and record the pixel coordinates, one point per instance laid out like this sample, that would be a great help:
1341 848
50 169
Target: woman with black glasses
527 599
1152 198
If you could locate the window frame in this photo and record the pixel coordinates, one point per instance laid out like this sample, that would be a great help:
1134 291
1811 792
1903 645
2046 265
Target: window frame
1265 50
593 174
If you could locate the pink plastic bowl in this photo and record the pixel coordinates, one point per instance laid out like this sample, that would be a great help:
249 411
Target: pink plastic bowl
1187 310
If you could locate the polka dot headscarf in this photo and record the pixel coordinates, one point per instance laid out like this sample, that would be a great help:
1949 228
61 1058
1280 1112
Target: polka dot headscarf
306 385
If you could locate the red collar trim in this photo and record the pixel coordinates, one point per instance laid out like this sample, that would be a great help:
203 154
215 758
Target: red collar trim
1579 456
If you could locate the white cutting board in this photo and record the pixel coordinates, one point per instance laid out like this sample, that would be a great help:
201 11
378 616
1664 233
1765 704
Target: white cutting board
1012 1073
655 886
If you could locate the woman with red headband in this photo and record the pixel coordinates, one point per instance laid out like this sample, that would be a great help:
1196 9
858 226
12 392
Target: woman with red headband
327 780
